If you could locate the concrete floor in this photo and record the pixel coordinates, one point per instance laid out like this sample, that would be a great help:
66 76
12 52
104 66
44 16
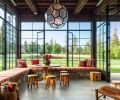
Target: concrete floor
79 89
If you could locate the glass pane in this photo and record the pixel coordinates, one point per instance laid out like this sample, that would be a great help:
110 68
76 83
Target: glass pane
2 10
85 25
85 41
86 50
26 34
26 25
37 34
37 25
25 42
1 43
74 33
85 34
73 25
14 22
11 17
14 32
58 37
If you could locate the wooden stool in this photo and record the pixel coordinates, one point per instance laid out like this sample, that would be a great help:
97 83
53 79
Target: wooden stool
95 76
50 81
115 83
32 80
64 79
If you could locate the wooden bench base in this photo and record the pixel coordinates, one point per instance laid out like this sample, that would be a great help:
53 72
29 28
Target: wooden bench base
109 91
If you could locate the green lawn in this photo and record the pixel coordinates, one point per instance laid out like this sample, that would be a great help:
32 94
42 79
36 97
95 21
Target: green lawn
61 59
115 65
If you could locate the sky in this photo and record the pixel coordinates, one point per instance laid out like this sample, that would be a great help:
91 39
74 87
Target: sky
57 36
117 26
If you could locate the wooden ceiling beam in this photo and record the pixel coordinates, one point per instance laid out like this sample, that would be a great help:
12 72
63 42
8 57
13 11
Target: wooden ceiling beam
32 6
90 3
103 4
49 3
10 5
13 2
80 5
113 11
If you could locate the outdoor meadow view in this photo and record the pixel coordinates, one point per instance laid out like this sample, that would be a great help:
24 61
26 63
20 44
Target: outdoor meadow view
56 43
115 47
79 43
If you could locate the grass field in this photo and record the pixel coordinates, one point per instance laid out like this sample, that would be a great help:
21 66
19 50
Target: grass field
61 59
115 66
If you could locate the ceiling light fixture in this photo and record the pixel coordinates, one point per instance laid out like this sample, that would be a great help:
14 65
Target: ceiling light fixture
56 15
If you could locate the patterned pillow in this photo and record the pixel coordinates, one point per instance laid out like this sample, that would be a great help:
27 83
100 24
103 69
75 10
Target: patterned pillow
21 63
90 63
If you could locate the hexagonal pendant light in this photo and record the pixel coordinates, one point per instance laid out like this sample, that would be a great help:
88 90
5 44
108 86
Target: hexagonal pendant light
56 15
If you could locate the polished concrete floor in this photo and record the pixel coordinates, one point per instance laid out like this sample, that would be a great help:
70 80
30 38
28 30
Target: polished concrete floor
79 89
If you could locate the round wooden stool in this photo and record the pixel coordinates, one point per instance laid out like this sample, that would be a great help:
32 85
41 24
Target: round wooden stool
50 81
32 80
64 79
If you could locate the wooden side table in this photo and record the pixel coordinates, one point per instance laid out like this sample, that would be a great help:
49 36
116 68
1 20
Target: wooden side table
64 79
95 76
50 81
32 80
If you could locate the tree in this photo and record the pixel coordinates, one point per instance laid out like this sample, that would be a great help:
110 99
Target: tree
75 49
48 48
114 45
25 46
56 48
99 48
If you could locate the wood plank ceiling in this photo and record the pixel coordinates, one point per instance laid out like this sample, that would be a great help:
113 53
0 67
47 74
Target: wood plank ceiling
73 6
76 8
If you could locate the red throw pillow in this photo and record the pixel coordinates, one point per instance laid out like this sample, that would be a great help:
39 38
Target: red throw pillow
34 61
90 63
21 63
82 63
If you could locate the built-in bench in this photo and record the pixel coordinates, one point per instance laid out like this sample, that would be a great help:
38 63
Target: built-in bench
18 74
37 68
74 71
13 74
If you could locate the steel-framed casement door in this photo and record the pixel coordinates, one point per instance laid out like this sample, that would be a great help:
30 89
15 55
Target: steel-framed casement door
40 44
